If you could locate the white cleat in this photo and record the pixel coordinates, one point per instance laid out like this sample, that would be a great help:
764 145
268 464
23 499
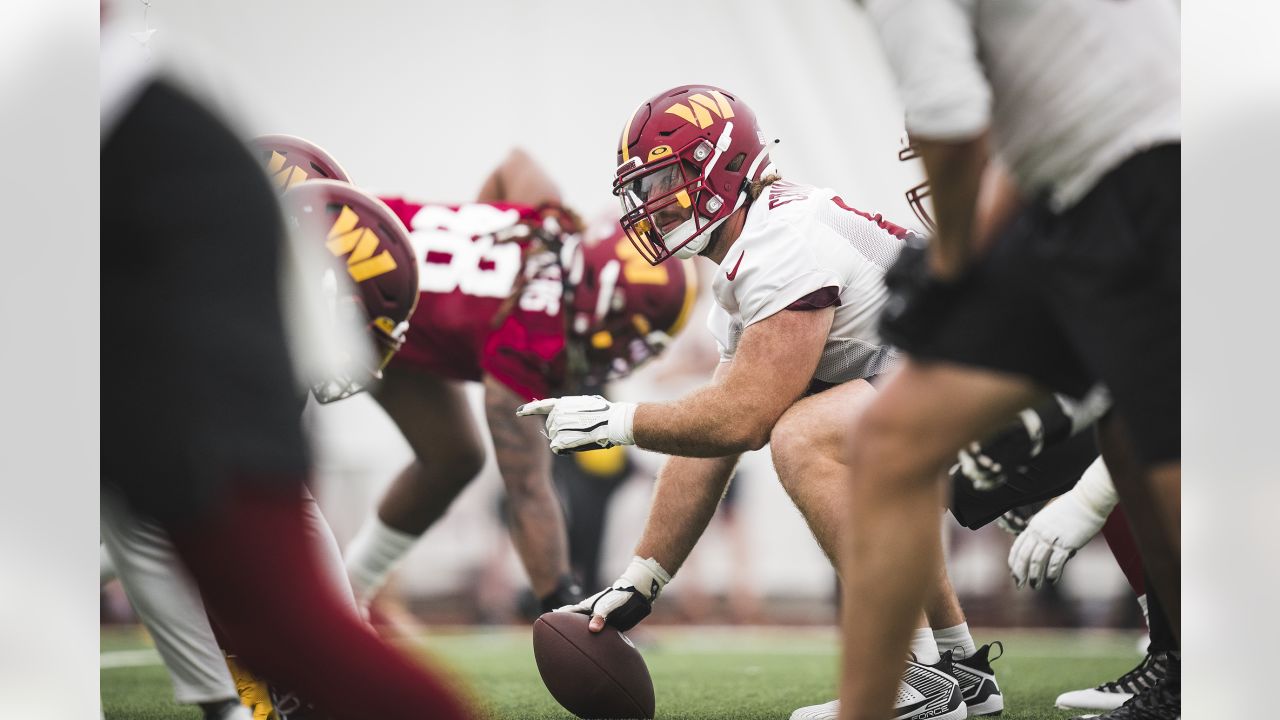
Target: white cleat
1113 694
927 692
825 711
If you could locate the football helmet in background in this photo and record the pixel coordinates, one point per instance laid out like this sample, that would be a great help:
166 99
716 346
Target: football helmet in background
290 160
621 311
685 160
916 195
373 280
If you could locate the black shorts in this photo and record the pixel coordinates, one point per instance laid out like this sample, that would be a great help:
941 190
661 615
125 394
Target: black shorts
1054 472
1073 298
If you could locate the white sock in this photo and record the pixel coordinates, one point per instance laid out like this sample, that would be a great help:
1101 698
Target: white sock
374 551
956 639
922 646
1144 643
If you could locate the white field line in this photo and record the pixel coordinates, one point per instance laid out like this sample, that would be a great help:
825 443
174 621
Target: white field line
709 641
128 659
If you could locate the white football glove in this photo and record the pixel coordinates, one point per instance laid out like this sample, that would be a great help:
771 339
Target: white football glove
583 422
629 600
1064 526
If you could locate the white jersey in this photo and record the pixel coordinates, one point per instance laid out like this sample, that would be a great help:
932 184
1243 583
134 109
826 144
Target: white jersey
1068 88
804 246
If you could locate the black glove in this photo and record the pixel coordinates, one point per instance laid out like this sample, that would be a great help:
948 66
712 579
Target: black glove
917 300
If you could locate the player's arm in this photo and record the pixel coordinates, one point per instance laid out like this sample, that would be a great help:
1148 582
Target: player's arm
933 53
519 179
986 465
772 367
685 497
537 524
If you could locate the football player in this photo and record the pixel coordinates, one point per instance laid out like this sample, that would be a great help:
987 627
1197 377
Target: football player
1039 456
515 296
798 289
1079 283
201 430
140 551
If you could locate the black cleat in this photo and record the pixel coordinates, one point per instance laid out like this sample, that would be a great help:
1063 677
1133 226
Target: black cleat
1111 695
978 682
1162 701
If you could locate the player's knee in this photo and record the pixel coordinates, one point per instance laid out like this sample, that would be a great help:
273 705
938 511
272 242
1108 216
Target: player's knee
885 445
460 465
790 450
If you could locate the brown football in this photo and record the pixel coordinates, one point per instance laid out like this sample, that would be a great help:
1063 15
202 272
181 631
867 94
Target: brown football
593 675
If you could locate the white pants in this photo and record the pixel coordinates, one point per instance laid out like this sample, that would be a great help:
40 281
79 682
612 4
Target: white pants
167 602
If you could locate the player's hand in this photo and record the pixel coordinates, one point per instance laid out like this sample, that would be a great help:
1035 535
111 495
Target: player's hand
1051 538
1016 520
987 465
583 422
918 300
628 601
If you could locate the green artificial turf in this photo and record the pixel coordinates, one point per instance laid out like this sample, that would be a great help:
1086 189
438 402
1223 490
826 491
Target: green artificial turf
698 673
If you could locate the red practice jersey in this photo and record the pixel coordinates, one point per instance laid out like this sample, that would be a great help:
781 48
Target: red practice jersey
471 256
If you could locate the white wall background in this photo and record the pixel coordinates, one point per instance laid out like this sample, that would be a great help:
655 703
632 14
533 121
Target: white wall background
423 98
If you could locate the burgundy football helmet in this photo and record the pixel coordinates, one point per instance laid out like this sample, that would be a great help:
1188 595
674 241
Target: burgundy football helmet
685 160
290 160
916 195
369 242
622 311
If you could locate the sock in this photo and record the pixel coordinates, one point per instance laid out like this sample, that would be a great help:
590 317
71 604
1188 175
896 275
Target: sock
923 647
374 551
956 639
226 710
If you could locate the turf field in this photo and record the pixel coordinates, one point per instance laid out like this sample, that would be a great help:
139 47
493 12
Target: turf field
742 673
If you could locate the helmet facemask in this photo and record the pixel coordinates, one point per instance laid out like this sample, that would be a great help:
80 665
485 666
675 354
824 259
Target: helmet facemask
668 211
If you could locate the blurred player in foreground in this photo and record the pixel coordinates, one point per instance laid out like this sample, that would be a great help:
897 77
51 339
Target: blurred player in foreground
1080 101
1041 455
378 290
798 289
514 297
201 431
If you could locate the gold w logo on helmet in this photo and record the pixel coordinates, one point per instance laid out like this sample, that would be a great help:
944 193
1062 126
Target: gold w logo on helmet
345 237
700 108
284 177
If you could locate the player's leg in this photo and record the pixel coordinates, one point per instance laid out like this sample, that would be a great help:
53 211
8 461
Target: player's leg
899 449
437 421
170 608
1152 499
808 450
321 537
1118 294
302 634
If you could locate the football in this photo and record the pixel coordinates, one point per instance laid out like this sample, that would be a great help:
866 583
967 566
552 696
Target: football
593 675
